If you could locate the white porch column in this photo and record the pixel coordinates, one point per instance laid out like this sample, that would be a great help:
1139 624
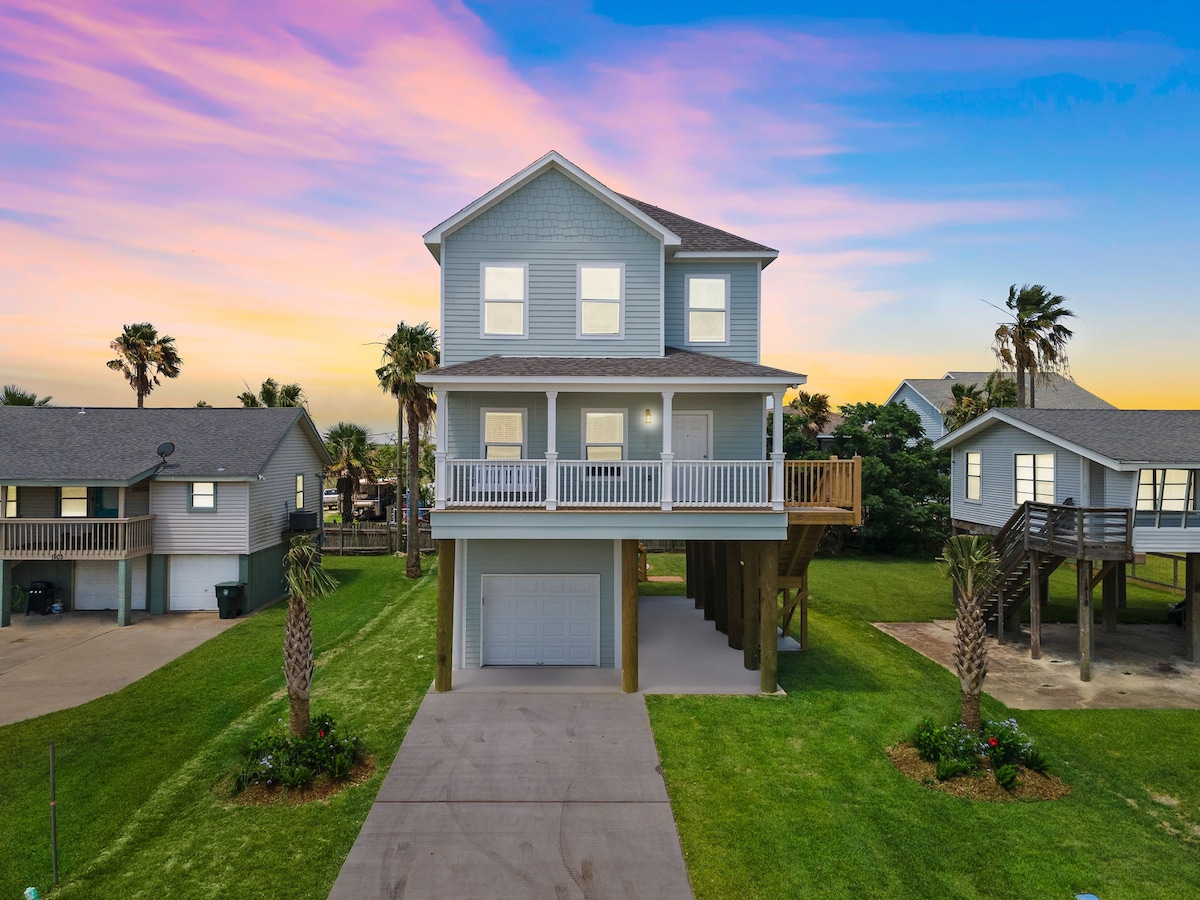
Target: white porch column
440 469
551 449
777 453
668 455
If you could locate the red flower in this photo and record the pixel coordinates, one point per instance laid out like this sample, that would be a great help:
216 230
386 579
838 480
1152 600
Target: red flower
993 742
322 734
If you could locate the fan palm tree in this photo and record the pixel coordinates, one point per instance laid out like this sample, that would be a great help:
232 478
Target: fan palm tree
970 562
967 404
351 451
1000 391
273 394
143 356
814 412
1036 339
306 581
412 349
14 396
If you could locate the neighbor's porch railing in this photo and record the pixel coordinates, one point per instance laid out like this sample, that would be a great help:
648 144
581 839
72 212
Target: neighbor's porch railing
76 538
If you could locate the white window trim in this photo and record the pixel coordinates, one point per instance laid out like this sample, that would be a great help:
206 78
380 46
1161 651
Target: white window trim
191 495
503 409
1158 486
1053 479
583 441
687 309
299 490
979 478
483 302
620 301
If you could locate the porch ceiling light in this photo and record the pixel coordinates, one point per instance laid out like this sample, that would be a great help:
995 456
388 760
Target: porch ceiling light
649 418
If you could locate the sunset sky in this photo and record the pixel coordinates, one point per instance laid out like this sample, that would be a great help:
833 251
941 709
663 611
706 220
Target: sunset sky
254 177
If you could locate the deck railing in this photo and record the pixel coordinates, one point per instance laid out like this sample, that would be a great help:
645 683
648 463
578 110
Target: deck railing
828 483
722 483
76 538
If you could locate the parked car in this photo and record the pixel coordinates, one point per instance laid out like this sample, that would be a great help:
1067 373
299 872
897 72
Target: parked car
330 498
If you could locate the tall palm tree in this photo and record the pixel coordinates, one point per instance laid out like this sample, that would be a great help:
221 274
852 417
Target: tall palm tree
970 562
1036 339
306 581
412 349
143 356
14 396
273 394
351 451
814 412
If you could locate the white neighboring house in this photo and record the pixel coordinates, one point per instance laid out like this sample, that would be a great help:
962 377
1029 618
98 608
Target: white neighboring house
87 504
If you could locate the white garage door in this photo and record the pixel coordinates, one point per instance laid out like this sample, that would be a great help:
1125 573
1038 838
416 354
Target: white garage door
541 620
96 584
193 579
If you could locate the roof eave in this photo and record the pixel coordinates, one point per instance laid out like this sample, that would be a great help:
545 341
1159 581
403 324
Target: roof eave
611 383
766 257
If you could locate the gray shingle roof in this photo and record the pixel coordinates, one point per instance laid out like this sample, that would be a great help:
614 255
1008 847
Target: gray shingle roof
696 237
1162 436
57 444
1055 392
675 364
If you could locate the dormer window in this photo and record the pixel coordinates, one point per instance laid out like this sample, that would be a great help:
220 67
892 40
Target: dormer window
708 309
601 300
505 291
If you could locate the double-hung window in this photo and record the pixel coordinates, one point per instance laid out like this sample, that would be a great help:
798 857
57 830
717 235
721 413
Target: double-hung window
505 295
707 298
974 475
504 434
601 299
1034 477
603 436
73 502
202 495
299 492
1167 490
10 503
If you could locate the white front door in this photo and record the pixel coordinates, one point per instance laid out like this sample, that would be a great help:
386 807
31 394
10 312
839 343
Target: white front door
690 435
541 620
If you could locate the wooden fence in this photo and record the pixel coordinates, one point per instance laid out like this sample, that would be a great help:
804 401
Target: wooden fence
370 540
1166 569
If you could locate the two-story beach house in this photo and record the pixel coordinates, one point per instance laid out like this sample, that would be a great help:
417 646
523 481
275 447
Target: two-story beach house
600 385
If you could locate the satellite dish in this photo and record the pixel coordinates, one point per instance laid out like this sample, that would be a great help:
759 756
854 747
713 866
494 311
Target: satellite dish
165 449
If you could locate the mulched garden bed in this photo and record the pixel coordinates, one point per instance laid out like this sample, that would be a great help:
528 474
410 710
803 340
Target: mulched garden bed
321 789
981 785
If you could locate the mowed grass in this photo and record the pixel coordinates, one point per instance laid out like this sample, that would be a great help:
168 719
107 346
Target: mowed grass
794 797
140 814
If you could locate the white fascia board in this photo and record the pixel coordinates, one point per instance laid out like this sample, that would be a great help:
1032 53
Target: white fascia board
509 524
898 389
612 385
433 238
995 416
766 256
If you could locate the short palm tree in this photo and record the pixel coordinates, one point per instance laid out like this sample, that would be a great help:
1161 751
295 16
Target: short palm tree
143 356
273 394
967 404
814 412
14 396
412 349
970 562
306 581
1036 339
350 447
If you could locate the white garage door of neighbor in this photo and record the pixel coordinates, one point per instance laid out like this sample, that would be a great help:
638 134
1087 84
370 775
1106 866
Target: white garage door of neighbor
194 580
541 620
96 584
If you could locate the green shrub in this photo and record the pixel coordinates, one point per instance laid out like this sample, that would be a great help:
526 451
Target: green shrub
957 751
948 768
278 760
949 743
1035 761
1003 743
1006 776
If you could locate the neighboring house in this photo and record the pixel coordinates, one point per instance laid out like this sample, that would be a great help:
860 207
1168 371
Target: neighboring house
601 384
87 503
931 397
1089 485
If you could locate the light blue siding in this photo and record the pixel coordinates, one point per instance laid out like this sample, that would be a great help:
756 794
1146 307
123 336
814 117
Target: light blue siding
931 417
552 224
537 558
743 302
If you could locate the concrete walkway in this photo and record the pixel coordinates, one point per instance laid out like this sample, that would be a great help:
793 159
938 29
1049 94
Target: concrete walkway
510 795
54 662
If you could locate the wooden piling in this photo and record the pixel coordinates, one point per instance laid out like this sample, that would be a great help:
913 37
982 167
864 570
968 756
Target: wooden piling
733 593
768 574
444 649
1087 644
750 604
629 617
1035 606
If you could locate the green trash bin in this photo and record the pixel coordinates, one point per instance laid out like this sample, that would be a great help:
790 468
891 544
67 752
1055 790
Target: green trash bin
229 598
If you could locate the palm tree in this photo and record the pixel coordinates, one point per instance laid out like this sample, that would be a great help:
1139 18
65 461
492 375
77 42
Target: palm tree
814 412
14 396
412 349
968 404
143 356
970 562
1035 340
306 581
273 394
351 451
1001 392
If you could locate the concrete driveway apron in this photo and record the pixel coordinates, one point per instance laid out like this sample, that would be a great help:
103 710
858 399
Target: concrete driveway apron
521 795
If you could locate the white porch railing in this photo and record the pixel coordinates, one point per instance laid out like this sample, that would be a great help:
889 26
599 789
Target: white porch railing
23 538
721 483
595 483
495 483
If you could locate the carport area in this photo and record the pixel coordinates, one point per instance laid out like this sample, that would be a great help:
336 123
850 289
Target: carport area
1138 667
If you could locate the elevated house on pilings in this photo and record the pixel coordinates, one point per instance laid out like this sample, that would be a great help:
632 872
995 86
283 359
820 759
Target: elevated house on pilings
600 385
1095 486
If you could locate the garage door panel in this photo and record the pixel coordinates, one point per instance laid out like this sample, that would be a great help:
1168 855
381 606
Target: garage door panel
193 579
96 584
541 620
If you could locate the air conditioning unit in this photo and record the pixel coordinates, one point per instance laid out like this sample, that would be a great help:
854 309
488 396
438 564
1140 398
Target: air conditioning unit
302 520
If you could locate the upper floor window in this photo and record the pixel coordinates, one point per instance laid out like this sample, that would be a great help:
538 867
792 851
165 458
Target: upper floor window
1035 477
299 492
73 502
974 475
707 309
202 495
601 300
504 434
10 503
604 434
1172 490
505 308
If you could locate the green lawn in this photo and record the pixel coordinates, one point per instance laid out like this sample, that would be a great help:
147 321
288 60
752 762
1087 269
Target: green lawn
794 797
137 812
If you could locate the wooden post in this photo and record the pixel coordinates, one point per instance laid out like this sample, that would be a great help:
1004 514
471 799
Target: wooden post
768 574
1110 599
706 579
804 610
689 551
629 617
733 593
1087 644
1122 576
1191 575
1035 606
720 587
1000 616
444 651
750 604
6 583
